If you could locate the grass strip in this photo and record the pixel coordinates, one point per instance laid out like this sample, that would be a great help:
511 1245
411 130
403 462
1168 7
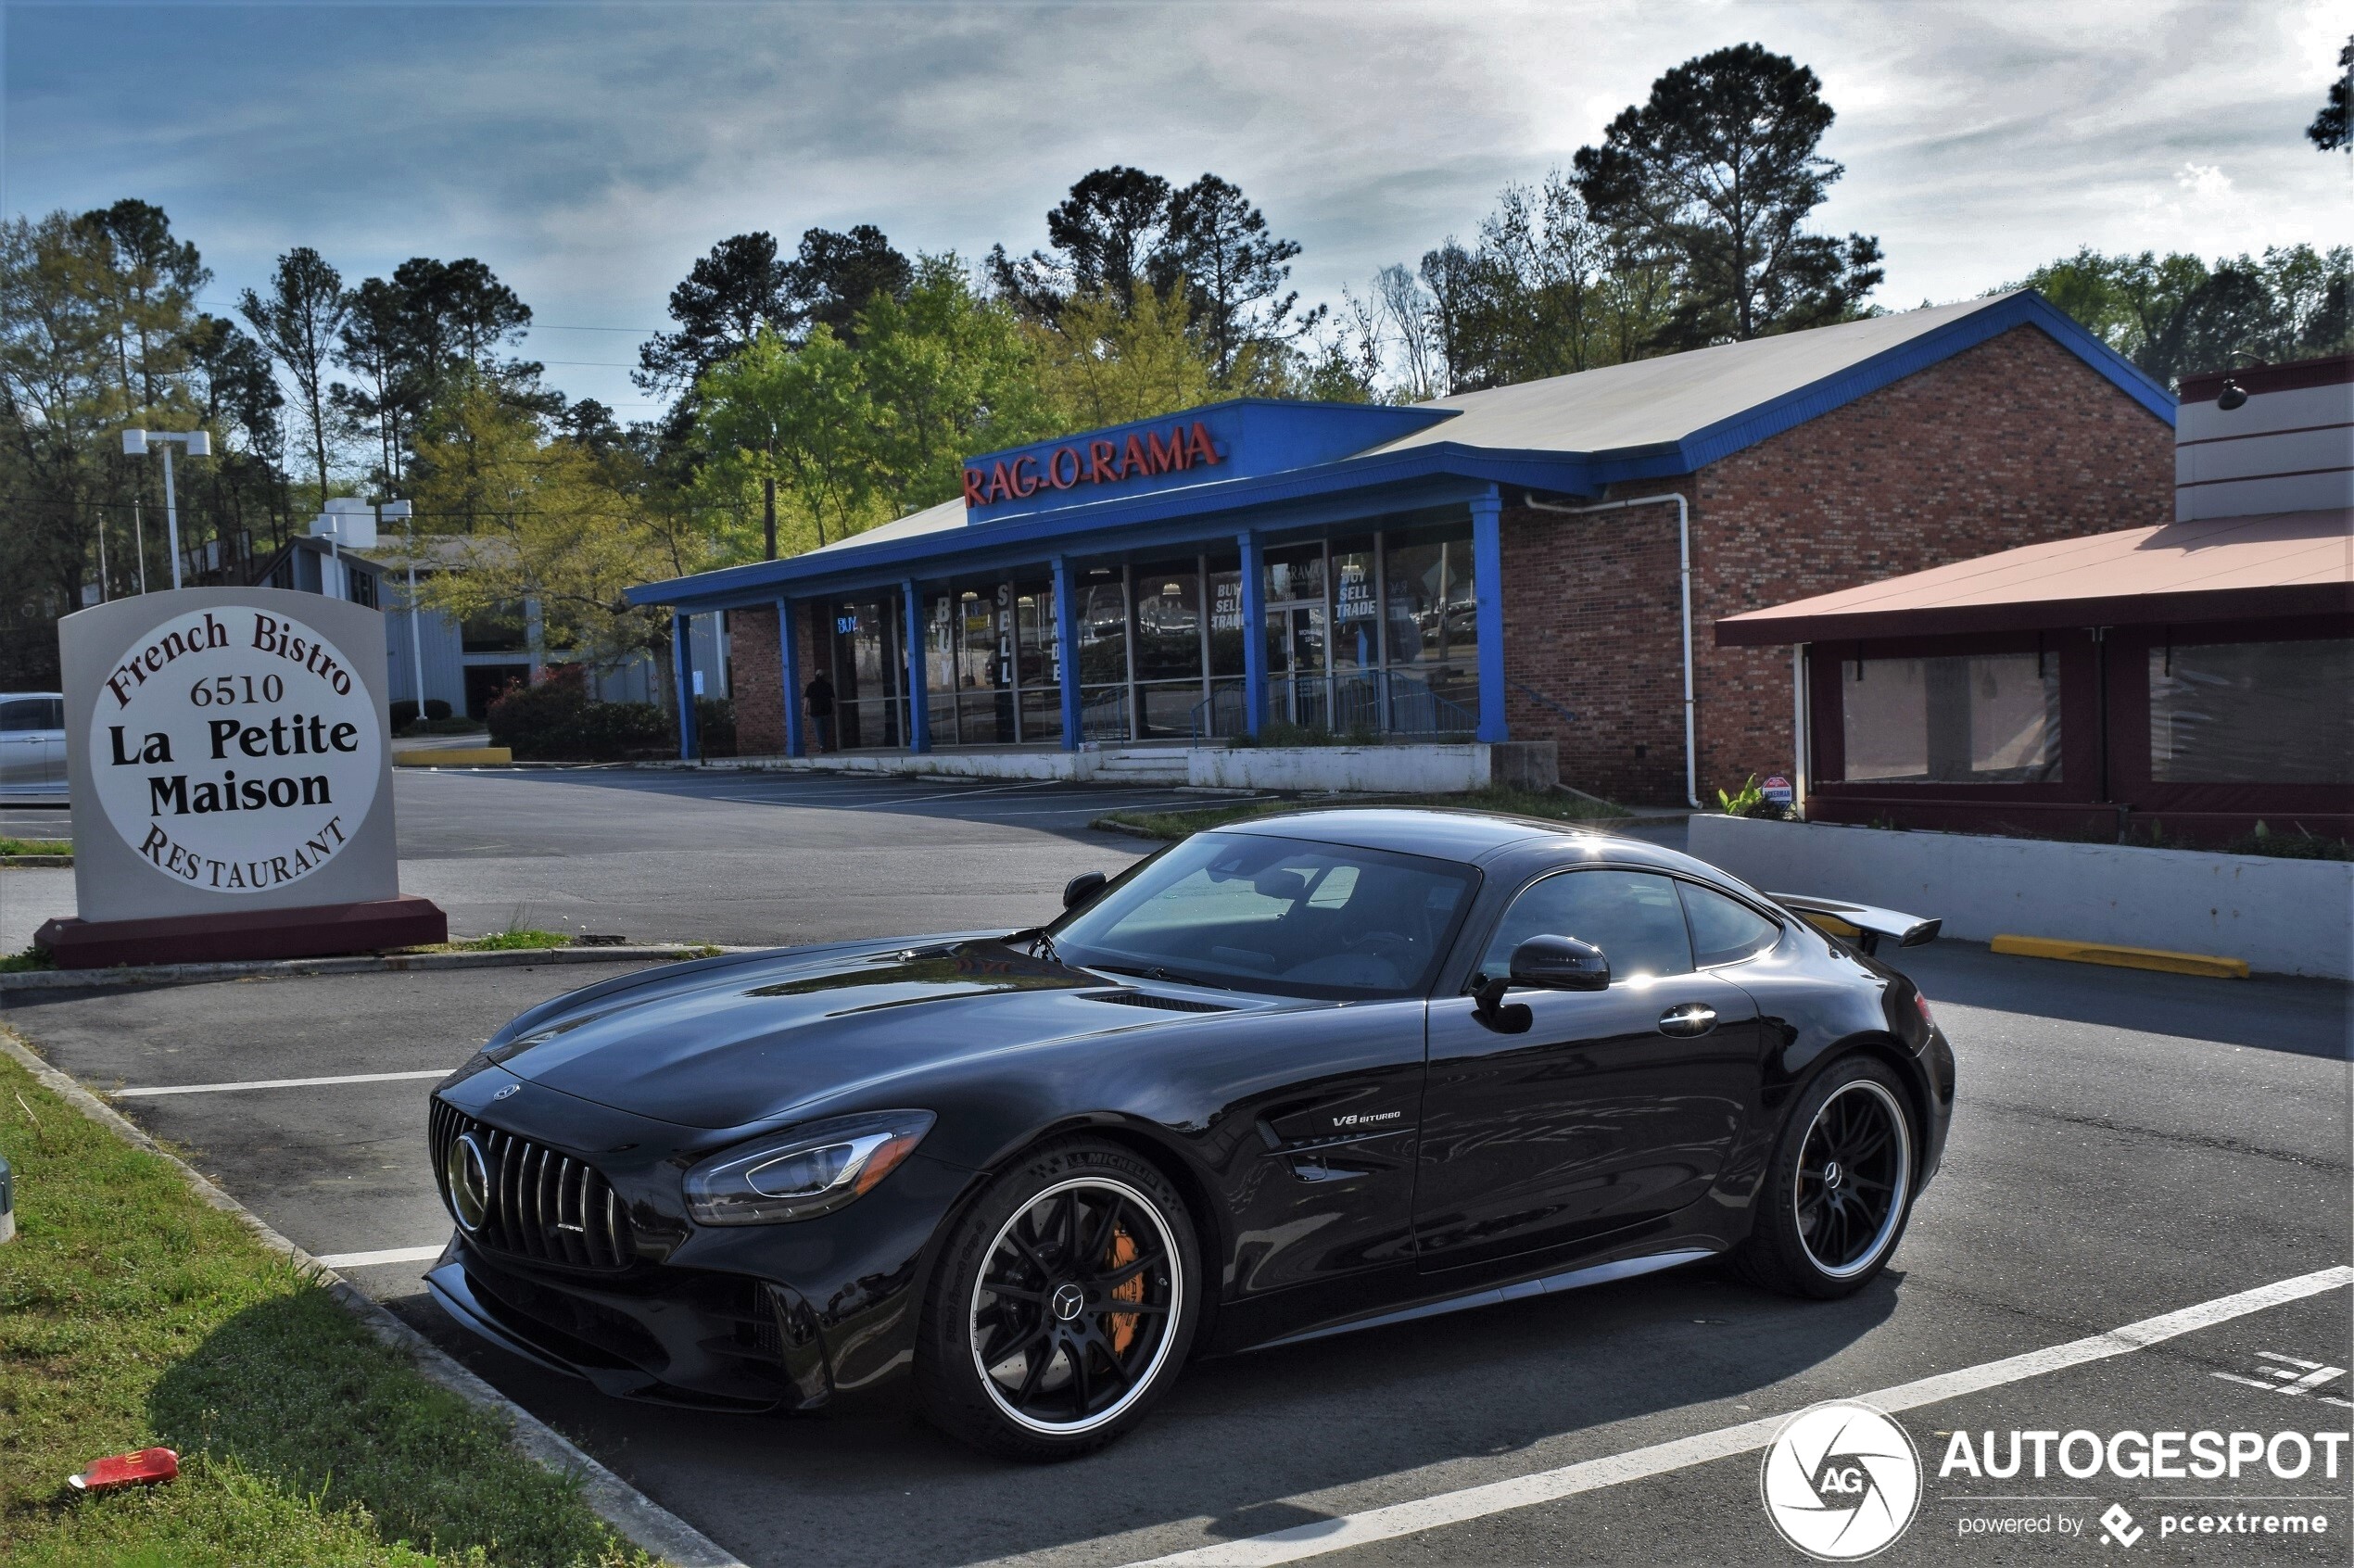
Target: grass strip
1553 806
512 941
32 958
133 1314
36 846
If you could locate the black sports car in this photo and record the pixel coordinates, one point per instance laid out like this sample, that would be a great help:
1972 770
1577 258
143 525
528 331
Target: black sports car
1289 1077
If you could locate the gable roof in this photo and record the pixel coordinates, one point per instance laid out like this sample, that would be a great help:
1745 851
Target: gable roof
1704 404
1567 434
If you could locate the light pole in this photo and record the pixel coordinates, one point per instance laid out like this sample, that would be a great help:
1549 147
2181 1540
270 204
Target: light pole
199 444
400 510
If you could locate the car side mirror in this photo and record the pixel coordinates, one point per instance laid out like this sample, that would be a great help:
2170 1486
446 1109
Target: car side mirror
1560 963
1082 888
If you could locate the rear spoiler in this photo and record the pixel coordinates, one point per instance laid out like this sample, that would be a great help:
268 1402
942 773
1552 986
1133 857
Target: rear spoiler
1859 923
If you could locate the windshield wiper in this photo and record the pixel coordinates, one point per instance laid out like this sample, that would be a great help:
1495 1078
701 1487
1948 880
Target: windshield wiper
1171 975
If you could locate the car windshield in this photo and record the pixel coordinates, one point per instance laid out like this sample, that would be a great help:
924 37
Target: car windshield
1251 912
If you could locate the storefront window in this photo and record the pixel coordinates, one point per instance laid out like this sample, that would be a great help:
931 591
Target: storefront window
1225 617
1433 620
867 680
1295 571
984 665
1168 639
1042 703
2253 712
1970 719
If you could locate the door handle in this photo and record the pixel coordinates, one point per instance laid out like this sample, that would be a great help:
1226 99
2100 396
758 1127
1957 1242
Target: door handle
1688 1019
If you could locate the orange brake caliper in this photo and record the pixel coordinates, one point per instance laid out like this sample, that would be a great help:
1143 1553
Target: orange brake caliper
1123 1324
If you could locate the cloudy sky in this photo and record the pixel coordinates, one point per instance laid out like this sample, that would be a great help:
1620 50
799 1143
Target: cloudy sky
590 152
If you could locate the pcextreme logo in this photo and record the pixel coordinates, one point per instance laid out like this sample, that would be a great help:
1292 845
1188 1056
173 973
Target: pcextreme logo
1841 1481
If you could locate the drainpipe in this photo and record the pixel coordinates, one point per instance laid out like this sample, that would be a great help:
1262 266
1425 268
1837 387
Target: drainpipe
1684 577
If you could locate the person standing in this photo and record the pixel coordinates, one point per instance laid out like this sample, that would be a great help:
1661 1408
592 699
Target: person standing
820 696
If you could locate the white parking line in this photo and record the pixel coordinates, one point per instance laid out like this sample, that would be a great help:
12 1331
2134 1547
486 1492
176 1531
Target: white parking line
390 1254
277 1083
1551 1485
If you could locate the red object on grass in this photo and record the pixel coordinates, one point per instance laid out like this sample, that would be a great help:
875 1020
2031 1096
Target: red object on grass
143 1469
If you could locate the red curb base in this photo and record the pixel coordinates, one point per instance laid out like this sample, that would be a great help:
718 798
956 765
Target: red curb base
315 933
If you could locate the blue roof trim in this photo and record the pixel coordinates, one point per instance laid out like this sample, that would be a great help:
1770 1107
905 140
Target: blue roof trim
1716 442
1338 490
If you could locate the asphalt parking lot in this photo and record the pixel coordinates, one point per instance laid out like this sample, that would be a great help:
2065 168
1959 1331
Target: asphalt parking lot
658 854
2126 1146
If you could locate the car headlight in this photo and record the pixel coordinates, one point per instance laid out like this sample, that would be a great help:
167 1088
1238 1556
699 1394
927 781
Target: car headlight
803 1171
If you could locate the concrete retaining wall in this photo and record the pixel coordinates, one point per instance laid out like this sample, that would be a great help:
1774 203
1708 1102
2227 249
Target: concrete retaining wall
1415 770
1410 769
2286 916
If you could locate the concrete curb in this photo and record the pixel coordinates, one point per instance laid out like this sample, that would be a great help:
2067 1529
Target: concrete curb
2121 957
358 964
634 1515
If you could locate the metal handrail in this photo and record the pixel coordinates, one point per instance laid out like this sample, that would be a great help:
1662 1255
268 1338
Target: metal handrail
1541 700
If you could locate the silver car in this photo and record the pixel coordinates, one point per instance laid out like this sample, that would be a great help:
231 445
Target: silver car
33 747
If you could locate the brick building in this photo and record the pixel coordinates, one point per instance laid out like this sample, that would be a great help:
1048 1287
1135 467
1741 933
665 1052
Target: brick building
1505 567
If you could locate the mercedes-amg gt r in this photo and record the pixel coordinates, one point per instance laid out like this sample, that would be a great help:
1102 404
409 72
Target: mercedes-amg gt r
1289 1077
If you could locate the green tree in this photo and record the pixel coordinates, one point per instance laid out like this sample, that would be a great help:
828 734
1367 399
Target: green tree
1718 171
801 419
2173 315
722 304
298 322
547 518
1108 359
2328 131
947 375
1104 237
1234 271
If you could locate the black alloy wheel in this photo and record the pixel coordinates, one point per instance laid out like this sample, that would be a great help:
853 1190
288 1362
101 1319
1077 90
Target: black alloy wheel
1841 1188
1853 1174
1063 1308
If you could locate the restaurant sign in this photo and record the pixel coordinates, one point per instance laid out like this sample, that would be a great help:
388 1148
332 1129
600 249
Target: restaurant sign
1241 439
227 750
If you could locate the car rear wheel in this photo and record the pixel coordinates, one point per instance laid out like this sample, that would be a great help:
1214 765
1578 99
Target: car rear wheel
1835 1202
1063 1306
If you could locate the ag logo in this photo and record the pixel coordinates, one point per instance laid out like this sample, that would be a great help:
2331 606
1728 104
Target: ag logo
1840 1481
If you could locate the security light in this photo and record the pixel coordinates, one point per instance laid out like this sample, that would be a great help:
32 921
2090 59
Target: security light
2233 396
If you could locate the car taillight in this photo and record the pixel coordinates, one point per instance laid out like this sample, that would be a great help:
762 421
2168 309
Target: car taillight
1922 1003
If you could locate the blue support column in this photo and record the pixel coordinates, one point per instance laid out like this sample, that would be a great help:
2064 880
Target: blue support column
1254 574
682 663
918 694
789 675
1488 582
1067 651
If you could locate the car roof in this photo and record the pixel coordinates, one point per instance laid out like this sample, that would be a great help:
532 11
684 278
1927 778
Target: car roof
1443 833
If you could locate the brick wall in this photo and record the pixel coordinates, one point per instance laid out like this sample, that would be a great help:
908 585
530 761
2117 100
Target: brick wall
760 713
756 683
2005 444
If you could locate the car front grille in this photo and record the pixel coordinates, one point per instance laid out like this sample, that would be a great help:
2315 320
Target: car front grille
543 1205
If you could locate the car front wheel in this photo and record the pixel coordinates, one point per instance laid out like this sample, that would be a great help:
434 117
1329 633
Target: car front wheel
1835 1202
1063 1306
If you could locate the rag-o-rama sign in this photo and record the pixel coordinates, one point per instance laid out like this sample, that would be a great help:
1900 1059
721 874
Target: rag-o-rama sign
232 741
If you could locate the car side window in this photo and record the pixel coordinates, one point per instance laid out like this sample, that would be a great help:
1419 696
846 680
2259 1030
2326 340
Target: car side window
1725 931
1634 917
25 712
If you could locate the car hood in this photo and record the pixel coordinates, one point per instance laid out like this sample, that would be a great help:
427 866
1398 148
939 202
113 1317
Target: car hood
746 1041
